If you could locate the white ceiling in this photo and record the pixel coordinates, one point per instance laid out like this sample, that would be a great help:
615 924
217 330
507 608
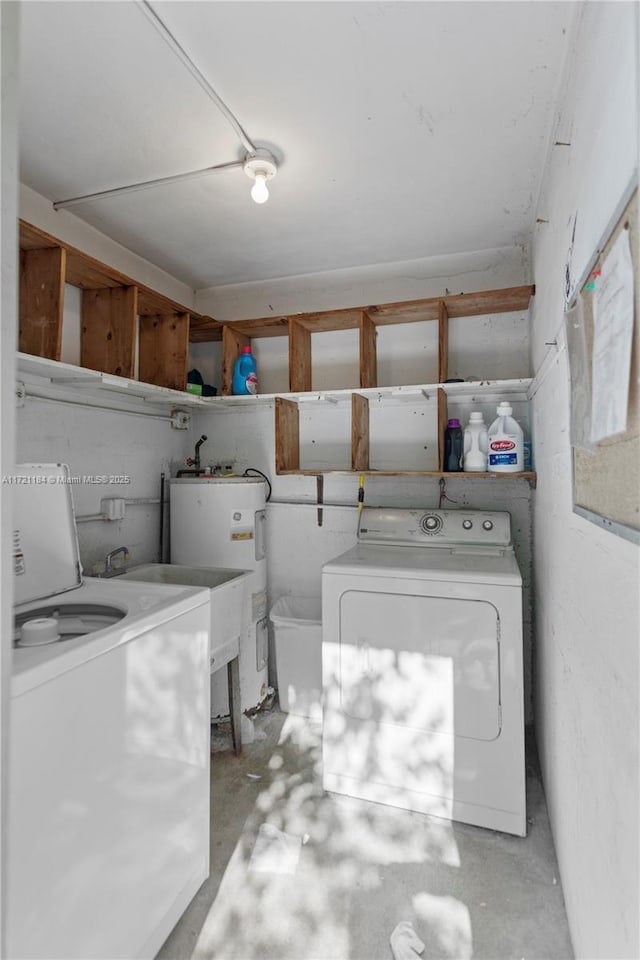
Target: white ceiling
403 130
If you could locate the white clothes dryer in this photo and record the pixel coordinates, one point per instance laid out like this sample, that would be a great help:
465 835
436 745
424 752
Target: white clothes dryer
422 666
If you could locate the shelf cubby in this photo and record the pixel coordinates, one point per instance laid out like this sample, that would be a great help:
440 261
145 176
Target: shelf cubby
111 304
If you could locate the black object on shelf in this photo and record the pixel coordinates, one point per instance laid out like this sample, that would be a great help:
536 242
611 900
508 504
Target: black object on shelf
453 447
194 376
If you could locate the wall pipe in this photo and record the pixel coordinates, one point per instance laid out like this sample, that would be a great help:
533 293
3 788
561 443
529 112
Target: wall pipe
313 504
161 550
86 517
278 503
32 394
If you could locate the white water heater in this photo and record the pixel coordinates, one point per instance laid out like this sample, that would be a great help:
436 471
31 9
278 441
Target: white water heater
220 522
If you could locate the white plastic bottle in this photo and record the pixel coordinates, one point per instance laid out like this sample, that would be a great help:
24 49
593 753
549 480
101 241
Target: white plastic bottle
506 452
475 444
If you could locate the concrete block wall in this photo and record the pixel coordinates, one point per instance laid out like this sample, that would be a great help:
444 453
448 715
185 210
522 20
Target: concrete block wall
586 579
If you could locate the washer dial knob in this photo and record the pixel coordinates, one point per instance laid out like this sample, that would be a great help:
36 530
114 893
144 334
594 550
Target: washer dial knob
487 525
430 523
467 524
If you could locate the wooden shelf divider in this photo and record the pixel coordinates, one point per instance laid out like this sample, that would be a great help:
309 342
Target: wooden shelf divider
42 274
368 353
299 358
164 349
108 331
359 432
287 436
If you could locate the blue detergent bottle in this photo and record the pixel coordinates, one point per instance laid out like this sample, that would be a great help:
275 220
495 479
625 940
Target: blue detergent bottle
245 374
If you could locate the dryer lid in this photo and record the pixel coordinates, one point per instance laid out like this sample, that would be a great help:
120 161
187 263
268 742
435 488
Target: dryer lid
211 478
46 558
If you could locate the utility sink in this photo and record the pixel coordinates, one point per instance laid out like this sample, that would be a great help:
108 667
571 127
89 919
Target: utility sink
228 596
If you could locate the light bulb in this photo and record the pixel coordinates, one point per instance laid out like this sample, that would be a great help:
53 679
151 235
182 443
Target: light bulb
259 191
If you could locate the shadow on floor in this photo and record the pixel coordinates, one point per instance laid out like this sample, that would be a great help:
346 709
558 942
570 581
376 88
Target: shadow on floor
360 869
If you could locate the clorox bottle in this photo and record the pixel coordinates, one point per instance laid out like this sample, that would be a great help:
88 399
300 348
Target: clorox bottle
245 374
506 454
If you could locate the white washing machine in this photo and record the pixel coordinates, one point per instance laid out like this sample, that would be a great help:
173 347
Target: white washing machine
422 666
109 774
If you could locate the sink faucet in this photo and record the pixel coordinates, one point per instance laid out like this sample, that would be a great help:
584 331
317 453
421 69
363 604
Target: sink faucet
108 563
195 460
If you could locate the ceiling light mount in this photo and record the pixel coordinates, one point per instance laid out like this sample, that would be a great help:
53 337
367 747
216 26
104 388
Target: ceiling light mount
260 167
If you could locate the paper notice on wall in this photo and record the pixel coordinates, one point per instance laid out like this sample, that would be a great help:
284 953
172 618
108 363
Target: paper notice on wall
612 339
580 376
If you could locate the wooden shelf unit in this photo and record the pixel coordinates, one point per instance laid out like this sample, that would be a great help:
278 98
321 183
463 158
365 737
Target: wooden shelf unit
119 314
299 327
287 446
366 320
111 305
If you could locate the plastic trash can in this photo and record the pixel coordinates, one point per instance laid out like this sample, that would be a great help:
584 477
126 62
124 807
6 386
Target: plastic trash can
297 628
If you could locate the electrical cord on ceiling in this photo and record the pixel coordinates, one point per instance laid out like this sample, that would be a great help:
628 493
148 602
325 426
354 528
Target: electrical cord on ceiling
183 56
250 471
259 164
145 184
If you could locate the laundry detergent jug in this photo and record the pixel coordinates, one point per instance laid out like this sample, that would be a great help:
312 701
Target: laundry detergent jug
475 444
245 374
505 441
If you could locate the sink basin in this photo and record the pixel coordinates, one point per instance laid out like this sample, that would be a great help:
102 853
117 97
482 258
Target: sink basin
228 596
186 576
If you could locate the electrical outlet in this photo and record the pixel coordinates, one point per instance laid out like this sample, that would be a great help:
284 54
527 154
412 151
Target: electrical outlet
112 508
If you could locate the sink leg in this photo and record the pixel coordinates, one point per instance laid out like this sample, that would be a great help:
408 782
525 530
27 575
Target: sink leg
233 680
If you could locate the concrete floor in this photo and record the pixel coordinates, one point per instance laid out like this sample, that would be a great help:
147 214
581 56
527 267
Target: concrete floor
362 869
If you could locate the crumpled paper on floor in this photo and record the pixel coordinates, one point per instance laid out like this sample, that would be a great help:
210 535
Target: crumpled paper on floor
275 851
405 942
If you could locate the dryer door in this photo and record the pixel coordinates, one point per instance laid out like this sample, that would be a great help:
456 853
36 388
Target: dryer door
424 663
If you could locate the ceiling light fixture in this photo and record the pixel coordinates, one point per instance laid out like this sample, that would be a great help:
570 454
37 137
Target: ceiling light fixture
260 167
259 164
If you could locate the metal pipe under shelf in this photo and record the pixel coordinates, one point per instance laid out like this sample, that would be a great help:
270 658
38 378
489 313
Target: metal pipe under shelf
312 503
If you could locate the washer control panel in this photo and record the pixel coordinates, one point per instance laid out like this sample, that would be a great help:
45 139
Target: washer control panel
431 523
416 527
